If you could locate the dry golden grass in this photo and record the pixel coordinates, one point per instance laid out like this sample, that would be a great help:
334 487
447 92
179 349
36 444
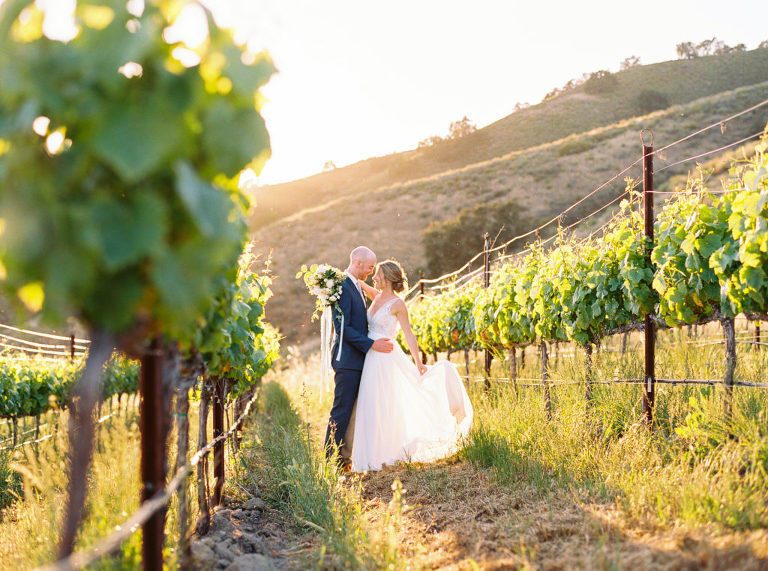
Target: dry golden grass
460 517
681 81
390 219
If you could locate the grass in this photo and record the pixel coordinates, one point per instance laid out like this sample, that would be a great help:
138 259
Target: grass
29 527
299 481
684 469
36 479
590 487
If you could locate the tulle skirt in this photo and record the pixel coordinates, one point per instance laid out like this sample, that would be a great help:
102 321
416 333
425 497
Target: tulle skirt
404 416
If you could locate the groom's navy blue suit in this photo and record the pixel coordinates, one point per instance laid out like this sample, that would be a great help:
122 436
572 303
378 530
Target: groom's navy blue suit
348 365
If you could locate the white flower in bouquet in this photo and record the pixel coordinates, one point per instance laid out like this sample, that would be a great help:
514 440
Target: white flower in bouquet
325 283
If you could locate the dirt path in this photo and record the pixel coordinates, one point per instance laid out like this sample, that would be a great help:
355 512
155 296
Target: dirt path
459 519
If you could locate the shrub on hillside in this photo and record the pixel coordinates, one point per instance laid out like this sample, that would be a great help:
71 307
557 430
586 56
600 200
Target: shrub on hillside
450 244
574 147
601 82
649 100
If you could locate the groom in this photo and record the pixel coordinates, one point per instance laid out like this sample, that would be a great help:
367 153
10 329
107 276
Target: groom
347 360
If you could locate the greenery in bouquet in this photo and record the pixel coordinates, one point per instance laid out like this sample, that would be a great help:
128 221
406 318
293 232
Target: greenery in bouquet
325 283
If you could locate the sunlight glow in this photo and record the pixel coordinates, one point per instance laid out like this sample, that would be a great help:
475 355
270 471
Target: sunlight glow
133 25
135 7
185 57
40 125
189 28
57 142
59 20
131 69
247 180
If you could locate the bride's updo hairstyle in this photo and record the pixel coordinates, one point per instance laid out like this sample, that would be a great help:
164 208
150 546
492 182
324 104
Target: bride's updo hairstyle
393 273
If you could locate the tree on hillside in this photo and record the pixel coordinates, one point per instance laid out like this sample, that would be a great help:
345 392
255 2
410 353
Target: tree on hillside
629 62
601 82
329 166
456 130
430 141
650 100
708 47
763 44
686 50
451 243
461 128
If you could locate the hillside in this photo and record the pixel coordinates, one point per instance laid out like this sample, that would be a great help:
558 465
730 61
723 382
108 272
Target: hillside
544 180
680 81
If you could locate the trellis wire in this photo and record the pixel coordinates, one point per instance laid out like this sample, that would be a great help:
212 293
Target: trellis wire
109 544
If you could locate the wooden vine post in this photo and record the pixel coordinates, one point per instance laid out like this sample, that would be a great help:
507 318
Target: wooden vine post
545 379
486 283
730 367
649 329
588 374
513 369
218 429
202 466
151 421
421 296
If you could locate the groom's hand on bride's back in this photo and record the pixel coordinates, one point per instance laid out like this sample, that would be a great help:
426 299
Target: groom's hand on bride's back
383 345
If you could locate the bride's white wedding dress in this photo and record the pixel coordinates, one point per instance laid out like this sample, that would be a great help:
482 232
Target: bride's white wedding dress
402 415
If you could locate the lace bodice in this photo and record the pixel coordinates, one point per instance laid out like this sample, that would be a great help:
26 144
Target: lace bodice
382 323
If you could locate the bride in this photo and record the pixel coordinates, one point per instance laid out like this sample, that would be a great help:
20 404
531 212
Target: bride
406 411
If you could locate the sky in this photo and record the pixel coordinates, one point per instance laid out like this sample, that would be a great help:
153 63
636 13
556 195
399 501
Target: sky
359 78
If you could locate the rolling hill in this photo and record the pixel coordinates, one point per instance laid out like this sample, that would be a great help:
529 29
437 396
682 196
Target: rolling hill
545 157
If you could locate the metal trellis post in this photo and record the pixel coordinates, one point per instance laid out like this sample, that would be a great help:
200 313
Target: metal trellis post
152 453
486 283
218 448
649 386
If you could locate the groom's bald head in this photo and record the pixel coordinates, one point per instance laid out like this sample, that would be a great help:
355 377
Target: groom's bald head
362 260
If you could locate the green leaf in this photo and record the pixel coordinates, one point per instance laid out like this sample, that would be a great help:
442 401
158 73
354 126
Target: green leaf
708 243
208 206
138 136
233 137
129 230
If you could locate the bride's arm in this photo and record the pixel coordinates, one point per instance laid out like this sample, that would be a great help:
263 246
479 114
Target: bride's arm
400 311
371 292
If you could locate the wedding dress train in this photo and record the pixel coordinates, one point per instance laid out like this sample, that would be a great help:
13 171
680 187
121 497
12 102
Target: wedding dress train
402 415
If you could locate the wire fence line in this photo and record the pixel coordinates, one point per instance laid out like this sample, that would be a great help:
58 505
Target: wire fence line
718 124
13 343
46 335
100 420
147 509
420 286
713 151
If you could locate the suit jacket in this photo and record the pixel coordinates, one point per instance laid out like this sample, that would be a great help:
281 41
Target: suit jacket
355 343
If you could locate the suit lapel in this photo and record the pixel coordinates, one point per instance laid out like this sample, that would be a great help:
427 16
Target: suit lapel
356 293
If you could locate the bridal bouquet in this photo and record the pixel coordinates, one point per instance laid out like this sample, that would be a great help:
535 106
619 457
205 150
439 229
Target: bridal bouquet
324 282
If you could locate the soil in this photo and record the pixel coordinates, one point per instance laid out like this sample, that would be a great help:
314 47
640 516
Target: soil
457 518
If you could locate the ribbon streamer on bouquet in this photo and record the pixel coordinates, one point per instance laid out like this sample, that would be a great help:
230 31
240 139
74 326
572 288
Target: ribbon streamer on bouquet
326 351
